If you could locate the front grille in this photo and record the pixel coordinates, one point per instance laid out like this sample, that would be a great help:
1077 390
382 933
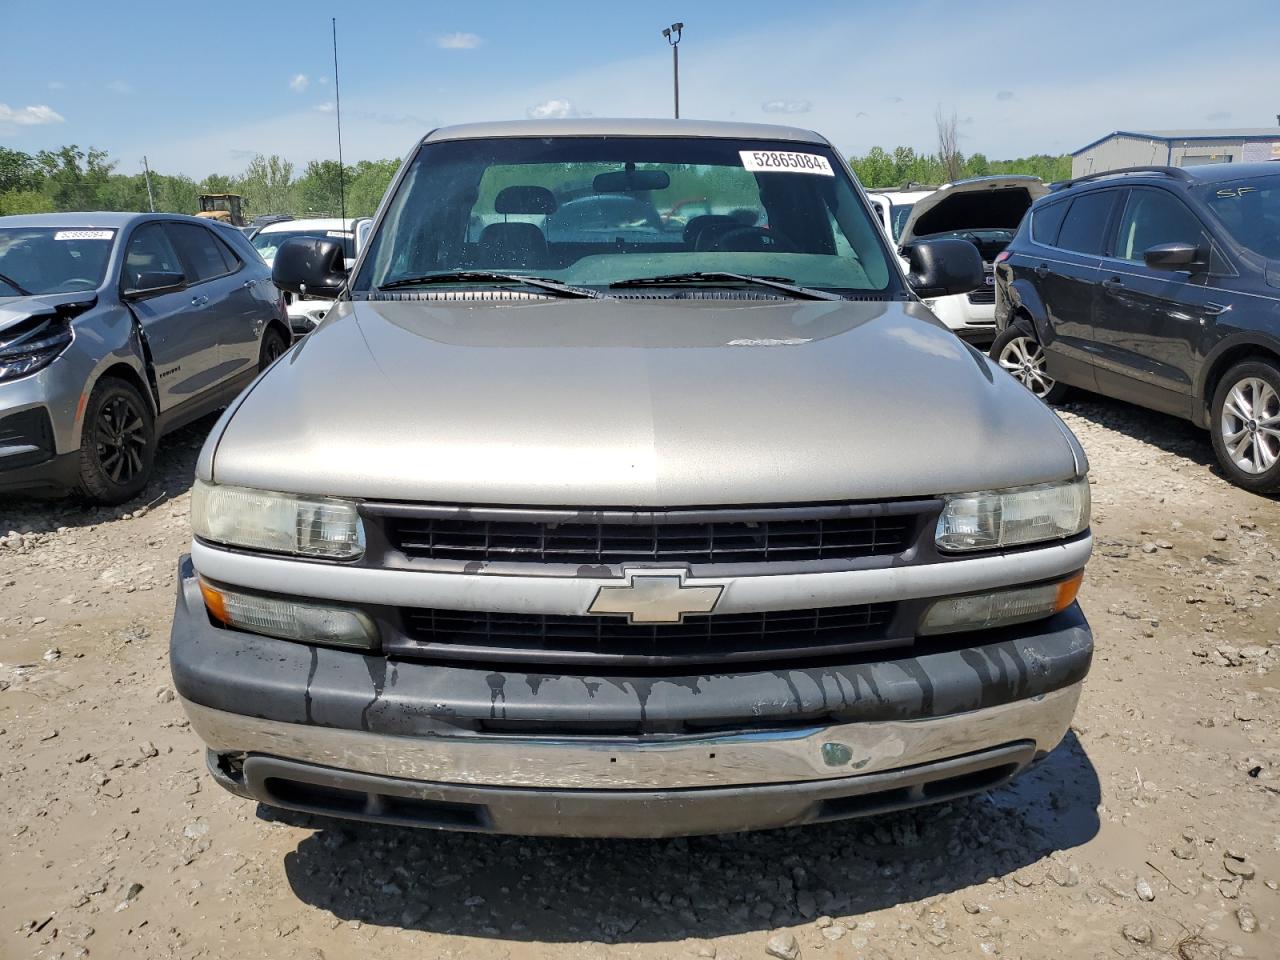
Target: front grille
606 640
773 537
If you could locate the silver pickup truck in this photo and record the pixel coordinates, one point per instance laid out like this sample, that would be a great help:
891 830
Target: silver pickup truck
641 522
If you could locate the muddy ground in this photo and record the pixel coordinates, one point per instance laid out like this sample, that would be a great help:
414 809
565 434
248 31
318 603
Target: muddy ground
1153 830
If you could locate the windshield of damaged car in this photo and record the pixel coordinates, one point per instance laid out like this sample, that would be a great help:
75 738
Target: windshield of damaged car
268 243
1250 210
52 259
591 211
899 214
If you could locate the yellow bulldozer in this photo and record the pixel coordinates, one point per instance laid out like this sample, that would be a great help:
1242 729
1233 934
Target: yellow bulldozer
221 206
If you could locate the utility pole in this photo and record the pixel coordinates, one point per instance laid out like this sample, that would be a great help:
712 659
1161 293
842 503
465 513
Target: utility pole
672 33
151 200
337 104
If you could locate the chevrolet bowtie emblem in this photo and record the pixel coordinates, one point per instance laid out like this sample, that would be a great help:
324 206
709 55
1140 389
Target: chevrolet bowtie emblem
656 596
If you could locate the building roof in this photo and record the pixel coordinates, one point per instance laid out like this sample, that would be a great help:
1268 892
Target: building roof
1168 136
597 127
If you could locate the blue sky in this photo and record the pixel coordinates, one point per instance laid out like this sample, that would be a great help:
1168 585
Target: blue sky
200 88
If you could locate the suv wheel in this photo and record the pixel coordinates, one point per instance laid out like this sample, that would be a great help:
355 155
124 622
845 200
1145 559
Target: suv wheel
1021 356
272 346
117 443
1245 424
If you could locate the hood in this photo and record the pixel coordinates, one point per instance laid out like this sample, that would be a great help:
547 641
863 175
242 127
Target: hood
14 310
984 202
643 403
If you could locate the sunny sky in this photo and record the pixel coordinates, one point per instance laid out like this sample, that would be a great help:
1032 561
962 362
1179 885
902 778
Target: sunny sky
201 87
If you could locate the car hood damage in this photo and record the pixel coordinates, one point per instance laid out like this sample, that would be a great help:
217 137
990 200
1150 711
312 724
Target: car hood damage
644 403
15 311
990 203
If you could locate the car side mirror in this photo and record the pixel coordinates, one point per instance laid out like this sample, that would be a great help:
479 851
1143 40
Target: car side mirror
153 282
311 267
941 268
1175 256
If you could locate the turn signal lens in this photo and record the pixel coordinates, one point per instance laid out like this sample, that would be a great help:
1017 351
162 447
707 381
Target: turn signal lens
290 619
1000 608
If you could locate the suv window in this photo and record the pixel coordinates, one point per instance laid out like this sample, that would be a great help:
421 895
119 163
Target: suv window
1046 221
1152 217
1084 228
149 252
201 251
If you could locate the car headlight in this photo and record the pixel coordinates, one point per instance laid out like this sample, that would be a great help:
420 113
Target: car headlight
325 527
1000 608
997 519
32 346
289 619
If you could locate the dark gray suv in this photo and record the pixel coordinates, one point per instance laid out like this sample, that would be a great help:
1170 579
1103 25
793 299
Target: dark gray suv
116 328
1160 286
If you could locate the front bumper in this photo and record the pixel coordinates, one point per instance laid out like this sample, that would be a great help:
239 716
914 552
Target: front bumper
368 737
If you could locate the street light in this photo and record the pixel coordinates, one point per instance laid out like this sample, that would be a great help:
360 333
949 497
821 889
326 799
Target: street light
672 33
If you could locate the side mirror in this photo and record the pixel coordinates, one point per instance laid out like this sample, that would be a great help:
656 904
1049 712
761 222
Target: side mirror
310 266
153 282
1175 256
940 268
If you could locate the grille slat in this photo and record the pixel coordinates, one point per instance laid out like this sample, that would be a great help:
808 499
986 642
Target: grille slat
542 638
606 541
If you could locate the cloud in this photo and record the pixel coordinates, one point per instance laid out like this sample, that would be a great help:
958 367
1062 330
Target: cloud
1218 116
458 41
786 106
861 113
33 116
120 87
299 83
1004 95
327 107
557 108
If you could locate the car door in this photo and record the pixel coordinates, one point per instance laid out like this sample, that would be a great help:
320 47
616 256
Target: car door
183 349
1150 324
1063 268
230 310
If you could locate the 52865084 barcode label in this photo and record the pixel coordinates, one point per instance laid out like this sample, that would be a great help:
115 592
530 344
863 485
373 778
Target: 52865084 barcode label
778 161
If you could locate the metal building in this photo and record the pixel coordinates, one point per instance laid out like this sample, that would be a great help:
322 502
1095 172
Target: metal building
1175 148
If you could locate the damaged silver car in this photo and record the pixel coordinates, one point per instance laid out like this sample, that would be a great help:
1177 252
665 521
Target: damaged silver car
116 328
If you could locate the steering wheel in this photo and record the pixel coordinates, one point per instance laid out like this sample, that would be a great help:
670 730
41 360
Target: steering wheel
755 240
76 283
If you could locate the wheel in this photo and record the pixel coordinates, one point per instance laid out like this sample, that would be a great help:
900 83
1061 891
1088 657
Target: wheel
1245 425
272 346
117 443
1022 357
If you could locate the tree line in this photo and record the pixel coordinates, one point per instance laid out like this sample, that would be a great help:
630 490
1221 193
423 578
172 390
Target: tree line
70 178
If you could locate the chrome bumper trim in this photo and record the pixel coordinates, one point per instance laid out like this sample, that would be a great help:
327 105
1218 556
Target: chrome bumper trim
736 759
574 595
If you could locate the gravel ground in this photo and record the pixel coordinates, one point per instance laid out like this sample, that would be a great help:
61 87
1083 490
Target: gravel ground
1153 831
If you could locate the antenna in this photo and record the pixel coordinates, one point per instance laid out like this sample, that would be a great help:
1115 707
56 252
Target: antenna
337 103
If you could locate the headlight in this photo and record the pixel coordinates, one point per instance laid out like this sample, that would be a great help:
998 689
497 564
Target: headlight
32 346
1010 518
1000 608
279 522
289 619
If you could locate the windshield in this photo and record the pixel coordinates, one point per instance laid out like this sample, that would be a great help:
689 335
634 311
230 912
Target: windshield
1250 210
268 243
591 211
52 259
899 212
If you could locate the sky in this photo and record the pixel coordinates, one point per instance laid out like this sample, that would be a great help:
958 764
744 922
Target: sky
200 88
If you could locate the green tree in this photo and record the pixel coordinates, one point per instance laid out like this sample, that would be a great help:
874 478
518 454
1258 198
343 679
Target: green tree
976 165
267 186
320 189
19 171
876 169
74 179
218 183
177 194
369 181
24 201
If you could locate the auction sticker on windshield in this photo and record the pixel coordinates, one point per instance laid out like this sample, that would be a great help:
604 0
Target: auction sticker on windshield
777 161
84 235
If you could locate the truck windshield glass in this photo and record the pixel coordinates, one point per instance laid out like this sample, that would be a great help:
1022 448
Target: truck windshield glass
1250 210
52 259
268 243
591 211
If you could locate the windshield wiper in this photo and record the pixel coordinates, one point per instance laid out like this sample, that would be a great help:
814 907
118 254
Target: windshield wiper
492 276
22 291
782 284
